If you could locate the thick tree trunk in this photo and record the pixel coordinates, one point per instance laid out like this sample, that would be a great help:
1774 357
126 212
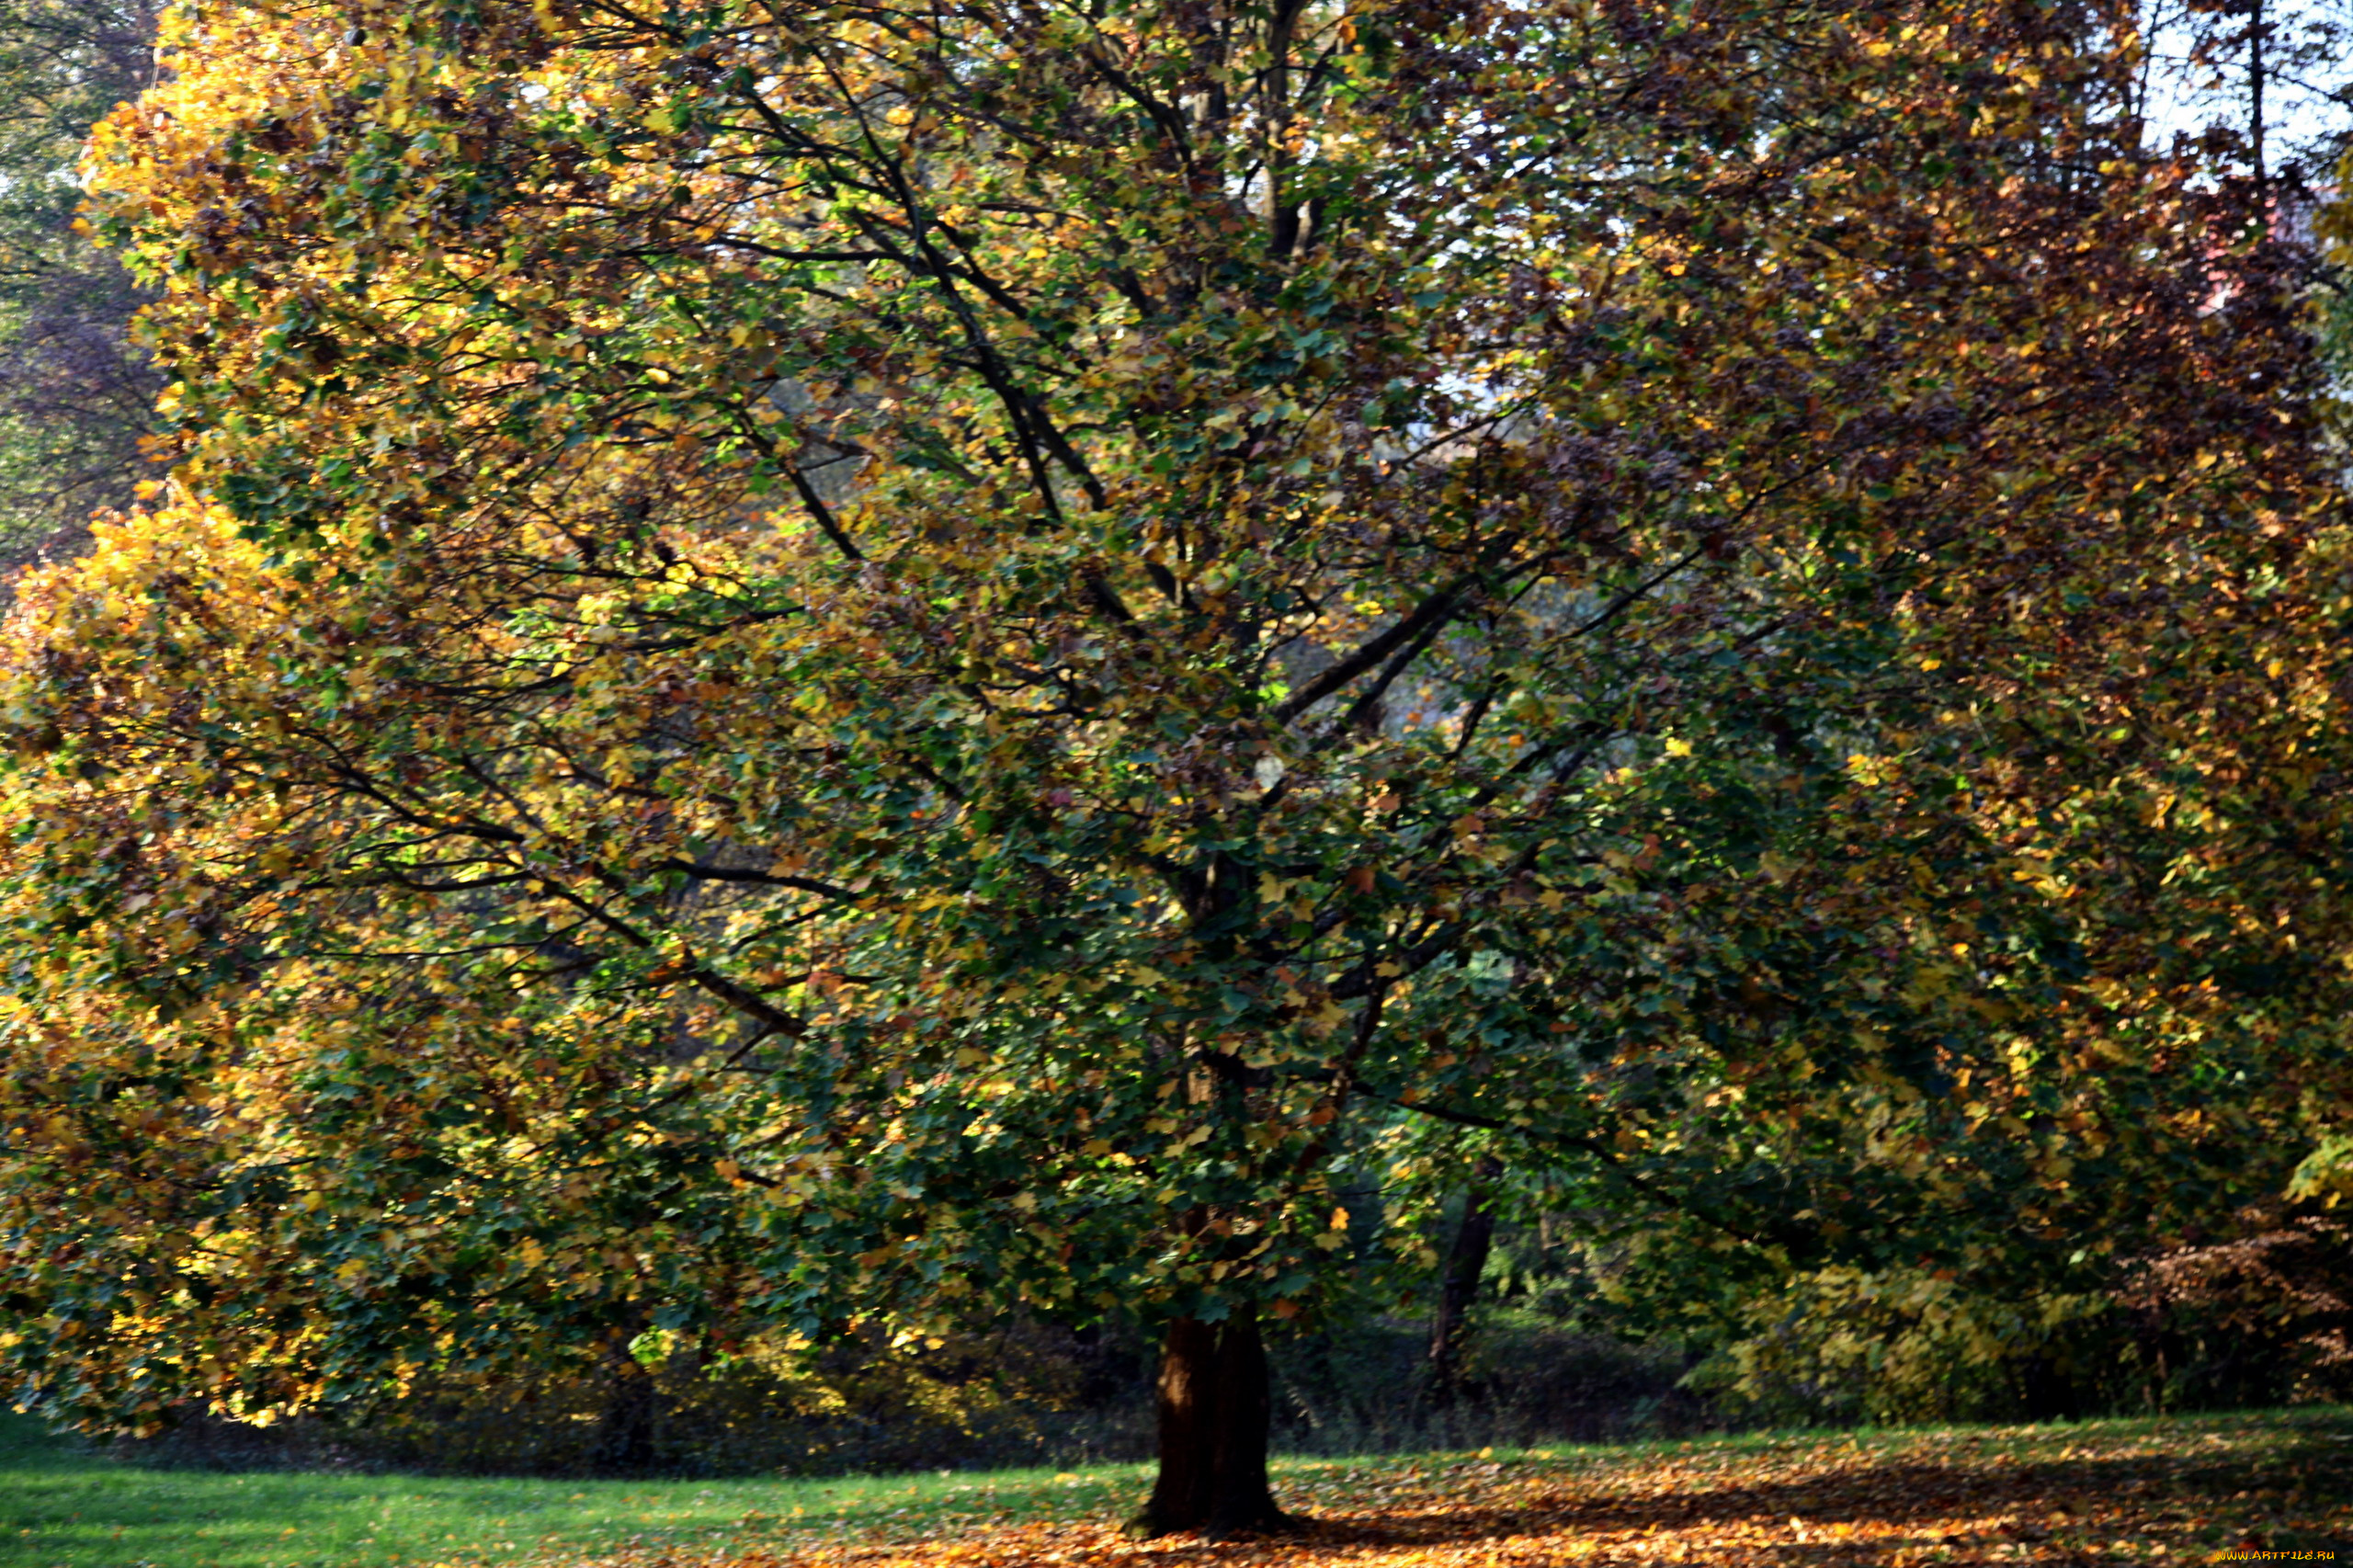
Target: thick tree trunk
1215 1408
1466 1260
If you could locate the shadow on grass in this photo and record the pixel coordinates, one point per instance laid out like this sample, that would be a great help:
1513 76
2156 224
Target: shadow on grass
2310 1468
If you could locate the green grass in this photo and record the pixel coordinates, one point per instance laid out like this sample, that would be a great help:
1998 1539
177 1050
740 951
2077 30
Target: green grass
64 1506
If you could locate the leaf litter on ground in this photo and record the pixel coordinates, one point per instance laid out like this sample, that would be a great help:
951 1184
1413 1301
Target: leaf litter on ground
2272 1487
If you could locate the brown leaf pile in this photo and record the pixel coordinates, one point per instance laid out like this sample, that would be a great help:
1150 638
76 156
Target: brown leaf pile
2254 1492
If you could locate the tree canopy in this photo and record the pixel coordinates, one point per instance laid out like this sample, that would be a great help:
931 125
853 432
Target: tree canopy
817 661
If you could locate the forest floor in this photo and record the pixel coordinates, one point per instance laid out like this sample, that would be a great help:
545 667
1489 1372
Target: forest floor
2274 1486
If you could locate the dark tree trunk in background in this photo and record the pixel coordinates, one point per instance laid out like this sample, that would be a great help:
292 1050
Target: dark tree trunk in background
2255 90
2049 1393
625 1434
1215 1408
1466 1260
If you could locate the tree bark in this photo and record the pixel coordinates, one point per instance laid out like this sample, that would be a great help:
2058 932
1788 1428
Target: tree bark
1459 1288
1215 1408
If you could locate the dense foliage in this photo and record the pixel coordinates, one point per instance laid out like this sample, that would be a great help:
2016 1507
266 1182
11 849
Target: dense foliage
817 664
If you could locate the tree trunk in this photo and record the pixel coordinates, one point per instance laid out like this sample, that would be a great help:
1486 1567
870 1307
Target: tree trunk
1215 1408
2255 90
625 1434
1458 1288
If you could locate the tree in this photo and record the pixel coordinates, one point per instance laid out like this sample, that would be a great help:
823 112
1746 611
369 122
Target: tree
813 665
75 393
1458 1290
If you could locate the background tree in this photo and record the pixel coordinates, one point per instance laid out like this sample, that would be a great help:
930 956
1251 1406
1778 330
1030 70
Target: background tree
1467 1252
76 392
811 665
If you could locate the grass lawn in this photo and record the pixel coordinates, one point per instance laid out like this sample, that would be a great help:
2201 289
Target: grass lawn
63 1506
2204 1488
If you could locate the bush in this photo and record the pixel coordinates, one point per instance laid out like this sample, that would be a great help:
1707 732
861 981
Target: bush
2259 1317
1013 1395
1527 1379
1841 1347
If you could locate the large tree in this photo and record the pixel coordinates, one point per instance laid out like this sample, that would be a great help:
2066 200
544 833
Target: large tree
825 663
